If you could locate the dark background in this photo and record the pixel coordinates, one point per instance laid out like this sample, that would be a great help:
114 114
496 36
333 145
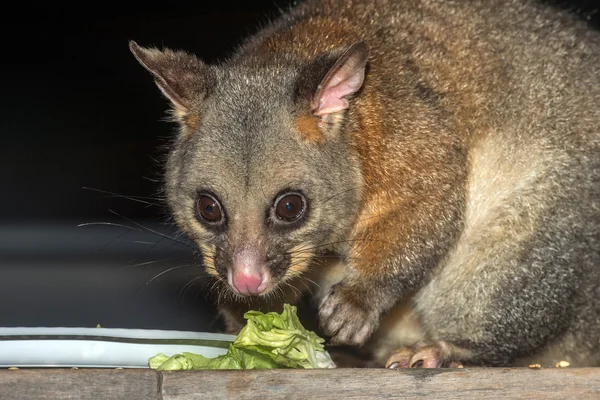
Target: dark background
77 111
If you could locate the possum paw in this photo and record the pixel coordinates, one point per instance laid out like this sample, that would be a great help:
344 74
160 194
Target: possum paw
346 316
424 355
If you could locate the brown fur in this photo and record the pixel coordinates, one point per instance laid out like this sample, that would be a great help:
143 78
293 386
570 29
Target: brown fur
308 128
192 122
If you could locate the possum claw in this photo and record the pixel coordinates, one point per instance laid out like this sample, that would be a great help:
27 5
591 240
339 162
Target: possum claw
346 318
423 355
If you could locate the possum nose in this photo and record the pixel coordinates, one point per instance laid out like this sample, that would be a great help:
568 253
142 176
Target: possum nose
249 284
249 274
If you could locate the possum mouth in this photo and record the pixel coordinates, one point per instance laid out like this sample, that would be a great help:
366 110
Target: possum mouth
292 274
252 272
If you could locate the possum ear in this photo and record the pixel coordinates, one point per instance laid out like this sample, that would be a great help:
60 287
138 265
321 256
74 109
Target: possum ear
323 89
182 78
341 81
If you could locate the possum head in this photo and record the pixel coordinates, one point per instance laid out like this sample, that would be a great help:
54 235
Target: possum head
262 174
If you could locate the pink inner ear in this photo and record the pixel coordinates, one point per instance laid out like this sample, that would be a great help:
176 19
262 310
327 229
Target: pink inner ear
347 80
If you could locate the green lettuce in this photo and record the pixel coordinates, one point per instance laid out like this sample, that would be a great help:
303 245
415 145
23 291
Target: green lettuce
267 341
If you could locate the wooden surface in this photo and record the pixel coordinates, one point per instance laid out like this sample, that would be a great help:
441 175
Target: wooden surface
471 383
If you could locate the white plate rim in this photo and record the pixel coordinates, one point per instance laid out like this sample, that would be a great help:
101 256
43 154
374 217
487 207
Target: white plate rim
101 347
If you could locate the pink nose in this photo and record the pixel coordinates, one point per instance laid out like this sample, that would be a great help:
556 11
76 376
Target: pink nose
248 284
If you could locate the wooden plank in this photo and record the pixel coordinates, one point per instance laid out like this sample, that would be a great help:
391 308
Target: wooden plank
471 383
79 384
346 383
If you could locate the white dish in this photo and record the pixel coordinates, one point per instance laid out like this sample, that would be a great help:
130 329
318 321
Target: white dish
101 347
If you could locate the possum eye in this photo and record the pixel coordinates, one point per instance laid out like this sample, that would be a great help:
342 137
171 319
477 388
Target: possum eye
290 207
209 209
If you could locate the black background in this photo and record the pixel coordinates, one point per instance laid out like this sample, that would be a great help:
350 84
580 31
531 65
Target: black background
77 111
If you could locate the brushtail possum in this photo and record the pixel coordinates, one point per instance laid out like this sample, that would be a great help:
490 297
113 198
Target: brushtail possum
437 162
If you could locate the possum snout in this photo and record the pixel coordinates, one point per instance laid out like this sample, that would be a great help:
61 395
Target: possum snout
248 274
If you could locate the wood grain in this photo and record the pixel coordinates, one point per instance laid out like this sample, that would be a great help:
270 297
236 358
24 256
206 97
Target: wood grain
79 384
345 383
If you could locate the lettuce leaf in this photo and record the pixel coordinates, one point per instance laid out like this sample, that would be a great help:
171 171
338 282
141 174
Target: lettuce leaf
267 341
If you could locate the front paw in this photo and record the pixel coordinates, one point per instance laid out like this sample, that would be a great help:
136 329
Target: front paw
346 315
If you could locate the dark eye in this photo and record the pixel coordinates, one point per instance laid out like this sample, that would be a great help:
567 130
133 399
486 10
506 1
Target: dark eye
209 209
290 206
